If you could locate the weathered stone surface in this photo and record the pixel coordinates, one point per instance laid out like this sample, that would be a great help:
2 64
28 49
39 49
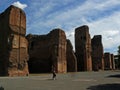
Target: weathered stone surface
46 51
97 53
71 58
13 50
83 48
107 61
17 20
112 61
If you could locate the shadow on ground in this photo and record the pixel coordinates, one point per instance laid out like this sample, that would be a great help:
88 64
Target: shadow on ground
1 88
114 76
114 86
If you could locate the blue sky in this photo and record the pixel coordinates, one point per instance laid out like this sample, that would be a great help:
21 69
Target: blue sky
102 17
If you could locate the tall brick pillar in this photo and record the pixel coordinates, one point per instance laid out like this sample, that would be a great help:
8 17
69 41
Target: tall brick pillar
13 50
83 48
113 61
58 42
107 61
97 53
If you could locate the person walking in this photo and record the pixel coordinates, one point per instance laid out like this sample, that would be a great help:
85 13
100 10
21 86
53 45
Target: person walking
54 73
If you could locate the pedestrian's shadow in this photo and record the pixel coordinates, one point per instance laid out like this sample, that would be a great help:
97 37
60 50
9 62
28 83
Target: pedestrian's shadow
114 86
1 88
114 76
51 79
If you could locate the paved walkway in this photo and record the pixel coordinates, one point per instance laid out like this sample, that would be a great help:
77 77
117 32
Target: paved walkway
102 80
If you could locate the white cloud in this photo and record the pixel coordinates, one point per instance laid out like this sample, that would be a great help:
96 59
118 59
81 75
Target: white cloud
74 16
89 12
109 28
107 4
20 5
70 36
111 32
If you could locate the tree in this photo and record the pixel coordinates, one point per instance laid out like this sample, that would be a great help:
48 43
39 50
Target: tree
117 61
118 50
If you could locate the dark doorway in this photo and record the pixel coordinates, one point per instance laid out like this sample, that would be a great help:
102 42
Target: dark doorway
39 65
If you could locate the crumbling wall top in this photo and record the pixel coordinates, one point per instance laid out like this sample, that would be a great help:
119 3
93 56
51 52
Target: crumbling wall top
84 27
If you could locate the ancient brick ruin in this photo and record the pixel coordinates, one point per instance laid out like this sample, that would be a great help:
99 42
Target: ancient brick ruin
97 53
46 51
71 58
20 55
83 48
13 45
112 61
107 61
